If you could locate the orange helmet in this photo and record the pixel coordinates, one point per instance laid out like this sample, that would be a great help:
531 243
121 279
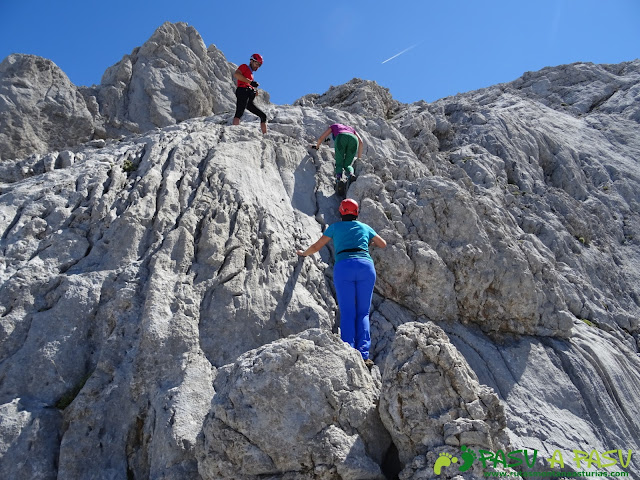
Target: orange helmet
349 207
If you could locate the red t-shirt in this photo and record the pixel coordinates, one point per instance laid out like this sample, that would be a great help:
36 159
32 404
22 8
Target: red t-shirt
246 71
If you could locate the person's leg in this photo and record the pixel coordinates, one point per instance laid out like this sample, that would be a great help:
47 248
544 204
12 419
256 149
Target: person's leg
256 111
339 146
365 281
346 293
242 98
350 151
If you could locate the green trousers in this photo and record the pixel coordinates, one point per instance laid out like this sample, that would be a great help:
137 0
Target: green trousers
346 145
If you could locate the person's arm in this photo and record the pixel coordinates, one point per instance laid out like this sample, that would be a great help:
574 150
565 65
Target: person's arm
240 76
360 143
378 241
326 133
315 247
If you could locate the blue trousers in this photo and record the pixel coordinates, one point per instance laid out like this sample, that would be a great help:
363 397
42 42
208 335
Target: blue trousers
354 279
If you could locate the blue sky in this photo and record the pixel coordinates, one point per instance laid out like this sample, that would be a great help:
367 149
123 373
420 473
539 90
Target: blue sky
449 46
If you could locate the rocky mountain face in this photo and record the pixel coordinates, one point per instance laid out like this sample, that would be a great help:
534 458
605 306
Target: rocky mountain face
157 323
171 78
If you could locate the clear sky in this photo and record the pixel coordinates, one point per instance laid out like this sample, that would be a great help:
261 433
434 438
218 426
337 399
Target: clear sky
443 47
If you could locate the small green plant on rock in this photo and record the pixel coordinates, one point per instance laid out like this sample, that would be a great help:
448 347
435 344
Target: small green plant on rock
128 166
589 322
583 240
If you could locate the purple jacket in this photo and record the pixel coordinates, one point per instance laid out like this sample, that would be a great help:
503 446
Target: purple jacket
338 128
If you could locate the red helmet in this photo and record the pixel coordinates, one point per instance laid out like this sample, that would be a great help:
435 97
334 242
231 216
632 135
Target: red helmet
349 207
257 57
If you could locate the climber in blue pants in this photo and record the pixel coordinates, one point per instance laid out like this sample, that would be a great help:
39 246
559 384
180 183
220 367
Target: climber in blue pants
354 275
354 279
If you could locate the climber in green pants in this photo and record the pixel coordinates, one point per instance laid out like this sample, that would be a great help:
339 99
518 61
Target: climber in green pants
347 145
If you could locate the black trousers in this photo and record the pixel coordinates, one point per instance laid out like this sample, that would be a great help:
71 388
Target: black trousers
245 98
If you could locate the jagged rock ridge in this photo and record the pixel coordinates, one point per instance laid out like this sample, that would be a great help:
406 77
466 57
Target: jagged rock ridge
171 78
156 320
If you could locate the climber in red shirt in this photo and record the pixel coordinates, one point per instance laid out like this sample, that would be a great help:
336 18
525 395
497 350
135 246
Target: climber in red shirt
247 91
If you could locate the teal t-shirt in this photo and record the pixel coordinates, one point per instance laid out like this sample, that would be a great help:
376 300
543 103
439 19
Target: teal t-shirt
351 235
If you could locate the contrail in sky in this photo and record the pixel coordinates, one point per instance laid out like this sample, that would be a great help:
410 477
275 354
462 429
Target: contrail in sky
403 51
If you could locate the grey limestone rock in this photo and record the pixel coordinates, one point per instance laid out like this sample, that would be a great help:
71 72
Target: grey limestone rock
40 109
23 423
573 379
147 281
301 407
172 77
431 399
362 97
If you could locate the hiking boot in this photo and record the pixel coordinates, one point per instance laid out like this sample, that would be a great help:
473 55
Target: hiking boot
369 363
